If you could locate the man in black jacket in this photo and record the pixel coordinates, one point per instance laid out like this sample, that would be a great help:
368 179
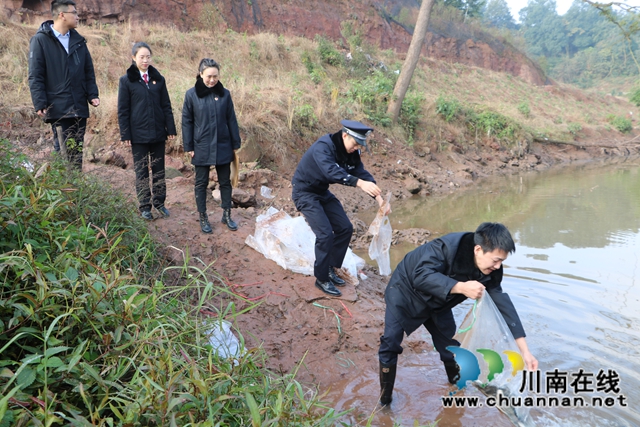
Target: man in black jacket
332 159
62 80
434 278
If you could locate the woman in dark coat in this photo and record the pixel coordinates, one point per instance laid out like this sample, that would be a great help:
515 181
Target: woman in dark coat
146 121
210 134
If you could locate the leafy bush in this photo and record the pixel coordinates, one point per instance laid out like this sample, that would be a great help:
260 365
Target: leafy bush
493 124
411 112
635 97
328 52
92 333
622 124
373 93
448 108
524 109
574 128
305 116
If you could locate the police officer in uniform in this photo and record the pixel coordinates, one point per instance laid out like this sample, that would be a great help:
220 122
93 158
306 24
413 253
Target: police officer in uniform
332 159
434 278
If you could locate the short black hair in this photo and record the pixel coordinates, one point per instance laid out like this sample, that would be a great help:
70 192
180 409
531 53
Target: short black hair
139 45
58 5
208 63
492 235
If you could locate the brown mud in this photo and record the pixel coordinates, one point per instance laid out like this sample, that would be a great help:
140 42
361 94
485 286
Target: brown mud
333 335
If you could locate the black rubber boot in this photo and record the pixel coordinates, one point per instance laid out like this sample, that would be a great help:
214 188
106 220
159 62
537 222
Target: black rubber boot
453 371
226 219
387 380
204 223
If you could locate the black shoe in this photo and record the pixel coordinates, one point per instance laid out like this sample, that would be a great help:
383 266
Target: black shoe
204 223
163 211
387 379
146 215
226 219
328 288
334 278
453 371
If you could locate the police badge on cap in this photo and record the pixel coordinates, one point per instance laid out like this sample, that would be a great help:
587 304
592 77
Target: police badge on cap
357 130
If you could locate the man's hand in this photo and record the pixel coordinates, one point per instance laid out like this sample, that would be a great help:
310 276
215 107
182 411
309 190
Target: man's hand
127 142
191 153
530 362
369 187
42 112
172 137
471 289
385 208
95 102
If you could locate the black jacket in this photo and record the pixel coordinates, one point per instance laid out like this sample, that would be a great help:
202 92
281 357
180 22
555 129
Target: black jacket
327 162
62 83
144 113
420 286
209 125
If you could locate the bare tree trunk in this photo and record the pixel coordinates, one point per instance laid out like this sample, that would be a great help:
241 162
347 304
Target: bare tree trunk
409 65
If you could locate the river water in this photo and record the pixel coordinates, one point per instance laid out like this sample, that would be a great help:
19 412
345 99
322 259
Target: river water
575 280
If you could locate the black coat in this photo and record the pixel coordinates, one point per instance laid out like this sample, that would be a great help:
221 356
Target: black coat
327 162
209 125
62 83
144 113
420 285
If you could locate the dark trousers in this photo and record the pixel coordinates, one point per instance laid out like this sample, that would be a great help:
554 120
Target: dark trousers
442 333
145 156
202 181
330 224
72 133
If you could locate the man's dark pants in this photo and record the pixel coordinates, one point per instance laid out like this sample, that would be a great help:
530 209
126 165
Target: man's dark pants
72 131
202 182
143 156
328 221
441 332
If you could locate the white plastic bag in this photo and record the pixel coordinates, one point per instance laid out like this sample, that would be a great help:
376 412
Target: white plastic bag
266 192
223 341
381 230
290 243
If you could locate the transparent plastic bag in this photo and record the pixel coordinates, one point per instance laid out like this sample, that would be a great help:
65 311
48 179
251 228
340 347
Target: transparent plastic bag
484 329
266 192
381 230
290 243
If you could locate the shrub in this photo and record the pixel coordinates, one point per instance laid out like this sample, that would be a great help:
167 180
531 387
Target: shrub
93 333
493 124
524 109
635 97
411 112
574 128
328 52
448 108
373 93
622 124
305 116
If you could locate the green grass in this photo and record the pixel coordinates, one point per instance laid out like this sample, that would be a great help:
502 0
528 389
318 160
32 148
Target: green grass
95 331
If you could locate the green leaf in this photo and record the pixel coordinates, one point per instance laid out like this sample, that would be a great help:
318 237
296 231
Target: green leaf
55 350
253 407
26 377
53 362
71 274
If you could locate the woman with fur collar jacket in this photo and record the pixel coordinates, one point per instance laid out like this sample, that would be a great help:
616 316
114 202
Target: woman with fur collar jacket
146 121
211 136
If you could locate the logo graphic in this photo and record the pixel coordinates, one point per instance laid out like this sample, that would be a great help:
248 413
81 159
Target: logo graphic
470 368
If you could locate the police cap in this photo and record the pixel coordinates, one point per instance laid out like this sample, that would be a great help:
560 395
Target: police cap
357 130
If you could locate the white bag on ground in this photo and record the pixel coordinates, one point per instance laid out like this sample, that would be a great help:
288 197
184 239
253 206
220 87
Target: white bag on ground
380 228
290 243
223 341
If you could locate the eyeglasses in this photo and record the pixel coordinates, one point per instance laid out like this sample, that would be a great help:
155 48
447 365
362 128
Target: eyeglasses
74 12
